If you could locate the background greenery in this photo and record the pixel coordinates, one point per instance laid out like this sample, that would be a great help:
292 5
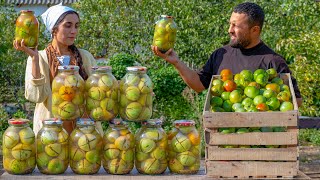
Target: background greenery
122 32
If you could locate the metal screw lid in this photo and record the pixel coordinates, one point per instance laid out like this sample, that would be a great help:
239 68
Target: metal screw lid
52 121
184 123
152 122
137 69
85 122
70 67
18 121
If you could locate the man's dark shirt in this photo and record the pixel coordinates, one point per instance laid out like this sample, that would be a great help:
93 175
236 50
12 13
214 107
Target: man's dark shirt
238 59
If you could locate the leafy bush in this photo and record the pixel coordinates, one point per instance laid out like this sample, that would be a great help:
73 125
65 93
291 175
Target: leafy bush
115 27
3 122
119 62
306 69
167 82
309 136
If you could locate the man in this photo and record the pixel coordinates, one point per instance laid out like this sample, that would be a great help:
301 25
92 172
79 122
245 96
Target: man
245 51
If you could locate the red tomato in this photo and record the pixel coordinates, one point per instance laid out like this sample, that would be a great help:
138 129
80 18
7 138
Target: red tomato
226 74
229 85
262 107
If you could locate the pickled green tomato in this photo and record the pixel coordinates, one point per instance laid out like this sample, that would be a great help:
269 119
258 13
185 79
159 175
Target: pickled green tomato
136 95
184 149
118 156
165 33
85 147
151 145
52 149
19 148
68 95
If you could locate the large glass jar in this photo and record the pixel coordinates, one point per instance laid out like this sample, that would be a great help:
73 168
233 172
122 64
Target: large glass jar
184 148
85 147
165 33
151 144
27 28
102 94
136 90
68 93
118 154
52 147
19 147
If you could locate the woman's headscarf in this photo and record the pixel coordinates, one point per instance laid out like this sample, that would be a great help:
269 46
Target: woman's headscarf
52 14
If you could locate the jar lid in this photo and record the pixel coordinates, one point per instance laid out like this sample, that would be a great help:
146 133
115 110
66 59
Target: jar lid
184 123
101 68
137 69
70 67
152 122
117 121
85 122
52 121
26 11
166 16
18 121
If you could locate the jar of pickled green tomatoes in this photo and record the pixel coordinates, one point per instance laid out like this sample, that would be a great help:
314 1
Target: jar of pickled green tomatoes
118 153
85 147
19 147
184 148
136 91
52 147
151 144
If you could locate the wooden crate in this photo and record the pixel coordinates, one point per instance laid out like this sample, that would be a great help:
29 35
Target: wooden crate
252 162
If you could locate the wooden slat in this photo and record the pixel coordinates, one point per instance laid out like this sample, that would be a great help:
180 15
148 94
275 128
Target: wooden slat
249 119
254 138
271 154
287 80
250 168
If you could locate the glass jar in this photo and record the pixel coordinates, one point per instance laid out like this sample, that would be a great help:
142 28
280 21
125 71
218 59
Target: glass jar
85 147
136 90
151 144
27 28
184 148
102 94
52 147
68 93
165 33
118 154
19 147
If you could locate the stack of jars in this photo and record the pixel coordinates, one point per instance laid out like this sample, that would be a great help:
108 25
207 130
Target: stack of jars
19 147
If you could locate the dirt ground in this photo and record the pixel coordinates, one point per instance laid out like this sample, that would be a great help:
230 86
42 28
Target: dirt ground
309 161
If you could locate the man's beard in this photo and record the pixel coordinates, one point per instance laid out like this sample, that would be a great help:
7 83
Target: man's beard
239 43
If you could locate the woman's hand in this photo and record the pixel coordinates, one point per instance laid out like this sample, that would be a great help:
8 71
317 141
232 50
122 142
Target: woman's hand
32 52
170 56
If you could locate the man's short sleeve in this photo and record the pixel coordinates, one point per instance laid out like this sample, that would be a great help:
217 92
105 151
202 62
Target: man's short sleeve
210 68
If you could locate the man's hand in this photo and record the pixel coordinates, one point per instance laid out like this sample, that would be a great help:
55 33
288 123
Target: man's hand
170 56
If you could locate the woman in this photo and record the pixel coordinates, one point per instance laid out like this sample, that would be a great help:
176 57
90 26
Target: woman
42 66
